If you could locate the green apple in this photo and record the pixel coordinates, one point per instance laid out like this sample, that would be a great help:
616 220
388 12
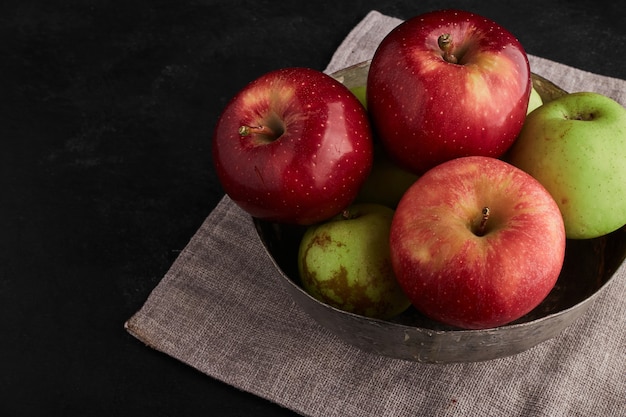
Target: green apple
359 92
576 147
386 183
345 262
534 101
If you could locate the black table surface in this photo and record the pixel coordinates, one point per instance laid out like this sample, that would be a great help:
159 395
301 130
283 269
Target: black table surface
107 112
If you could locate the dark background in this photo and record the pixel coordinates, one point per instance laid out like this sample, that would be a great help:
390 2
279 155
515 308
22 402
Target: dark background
107 110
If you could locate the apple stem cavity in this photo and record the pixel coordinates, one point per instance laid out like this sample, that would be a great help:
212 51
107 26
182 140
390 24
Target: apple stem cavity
482 226
258 130
267 132
445 44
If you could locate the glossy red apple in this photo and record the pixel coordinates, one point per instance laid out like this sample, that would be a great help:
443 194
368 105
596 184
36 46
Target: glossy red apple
477 243
293 146
447 84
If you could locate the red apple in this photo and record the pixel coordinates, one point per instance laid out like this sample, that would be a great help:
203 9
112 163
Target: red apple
293 146
477 243
447 84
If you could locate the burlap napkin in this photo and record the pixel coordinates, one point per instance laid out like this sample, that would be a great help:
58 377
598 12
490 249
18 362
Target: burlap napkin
222 310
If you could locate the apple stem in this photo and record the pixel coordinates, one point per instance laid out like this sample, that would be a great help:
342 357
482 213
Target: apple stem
347 214
445 44
259 130
483 221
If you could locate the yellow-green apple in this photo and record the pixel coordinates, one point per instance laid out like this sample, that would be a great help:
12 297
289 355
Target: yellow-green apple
293 146
534 101
360 93
344 262
576 147
477 243
447 84
387 181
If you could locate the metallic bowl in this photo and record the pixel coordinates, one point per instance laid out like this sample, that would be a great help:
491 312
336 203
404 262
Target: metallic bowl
589 266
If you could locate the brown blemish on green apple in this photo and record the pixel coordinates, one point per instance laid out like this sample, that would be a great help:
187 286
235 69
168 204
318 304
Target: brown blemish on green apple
585 117
329 290
338 291
352 296
323 240
355 297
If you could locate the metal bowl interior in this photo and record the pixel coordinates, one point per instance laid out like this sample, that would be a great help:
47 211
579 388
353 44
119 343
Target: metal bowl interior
588 268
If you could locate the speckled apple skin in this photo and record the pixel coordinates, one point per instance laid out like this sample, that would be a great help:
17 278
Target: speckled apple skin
469 280
427 110
316 166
